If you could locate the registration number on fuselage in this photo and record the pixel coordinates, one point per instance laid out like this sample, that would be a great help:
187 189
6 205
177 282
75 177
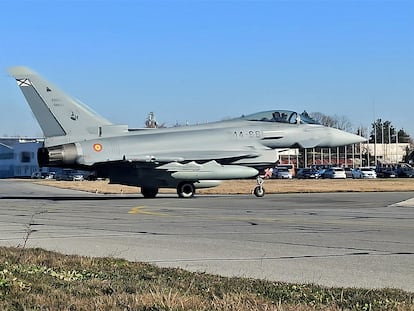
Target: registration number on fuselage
247 134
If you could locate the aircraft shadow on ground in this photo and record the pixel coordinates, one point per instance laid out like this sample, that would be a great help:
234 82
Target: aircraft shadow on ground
93 198
68 198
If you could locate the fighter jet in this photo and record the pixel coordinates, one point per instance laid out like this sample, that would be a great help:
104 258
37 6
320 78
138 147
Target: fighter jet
184 158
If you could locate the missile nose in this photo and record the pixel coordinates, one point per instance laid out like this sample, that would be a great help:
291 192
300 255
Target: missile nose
252 172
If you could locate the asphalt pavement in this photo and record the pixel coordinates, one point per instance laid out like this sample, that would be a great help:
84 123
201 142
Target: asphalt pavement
334 239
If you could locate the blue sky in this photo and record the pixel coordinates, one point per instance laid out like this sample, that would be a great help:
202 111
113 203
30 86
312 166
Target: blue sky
200 61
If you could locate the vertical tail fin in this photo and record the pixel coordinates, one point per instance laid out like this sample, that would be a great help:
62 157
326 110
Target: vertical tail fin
57 113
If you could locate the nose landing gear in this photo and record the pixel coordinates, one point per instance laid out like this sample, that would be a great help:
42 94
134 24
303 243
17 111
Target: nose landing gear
259 190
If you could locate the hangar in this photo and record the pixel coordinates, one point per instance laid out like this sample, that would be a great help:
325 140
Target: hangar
18 156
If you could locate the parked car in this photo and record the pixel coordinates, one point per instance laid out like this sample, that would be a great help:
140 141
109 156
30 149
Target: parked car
334 172
282 173
364 172
405 171
386 172
77 177
348 172
36 175
43 175
91 176
64 176
321 172
306 173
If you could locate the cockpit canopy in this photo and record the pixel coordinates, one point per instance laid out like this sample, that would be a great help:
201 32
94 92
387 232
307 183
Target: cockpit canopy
281 116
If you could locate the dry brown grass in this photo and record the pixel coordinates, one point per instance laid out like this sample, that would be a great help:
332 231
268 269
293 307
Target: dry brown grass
246 186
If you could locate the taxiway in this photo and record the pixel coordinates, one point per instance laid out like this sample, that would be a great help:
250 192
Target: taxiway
333 239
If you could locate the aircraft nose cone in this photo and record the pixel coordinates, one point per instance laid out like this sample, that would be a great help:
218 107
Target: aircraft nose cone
341 138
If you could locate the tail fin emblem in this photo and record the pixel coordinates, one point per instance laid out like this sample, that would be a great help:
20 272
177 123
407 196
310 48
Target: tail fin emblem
23 82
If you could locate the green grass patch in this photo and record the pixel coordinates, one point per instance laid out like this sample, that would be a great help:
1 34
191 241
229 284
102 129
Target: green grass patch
35 279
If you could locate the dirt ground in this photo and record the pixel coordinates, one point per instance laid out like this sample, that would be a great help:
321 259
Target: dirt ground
246 186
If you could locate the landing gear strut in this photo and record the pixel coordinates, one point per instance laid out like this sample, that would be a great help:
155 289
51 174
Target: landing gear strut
259 190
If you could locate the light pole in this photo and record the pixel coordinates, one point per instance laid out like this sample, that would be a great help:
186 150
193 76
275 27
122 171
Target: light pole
375 144
382 143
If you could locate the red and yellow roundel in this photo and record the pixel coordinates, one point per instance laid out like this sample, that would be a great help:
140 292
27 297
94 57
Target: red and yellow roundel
97 147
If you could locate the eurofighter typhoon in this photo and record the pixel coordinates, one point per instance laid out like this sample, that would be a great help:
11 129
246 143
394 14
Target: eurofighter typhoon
184 158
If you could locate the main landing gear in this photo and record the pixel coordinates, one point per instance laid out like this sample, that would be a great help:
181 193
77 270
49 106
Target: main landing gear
259 190
186 189
149 192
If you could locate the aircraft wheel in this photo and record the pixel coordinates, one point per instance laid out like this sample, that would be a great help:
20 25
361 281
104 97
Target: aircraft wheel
148 192
259 191
186 190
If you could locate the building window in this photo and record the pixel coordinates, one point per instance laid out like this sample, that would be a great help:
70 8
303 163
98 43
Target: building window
6 156
25 157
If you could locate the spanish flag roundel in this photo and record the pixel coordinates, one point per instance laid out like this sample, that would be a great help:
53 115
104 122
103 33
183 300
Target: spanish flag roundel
97 147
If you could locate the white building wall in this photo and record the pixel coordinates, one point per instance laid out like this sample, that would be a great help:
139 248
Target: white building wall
387 153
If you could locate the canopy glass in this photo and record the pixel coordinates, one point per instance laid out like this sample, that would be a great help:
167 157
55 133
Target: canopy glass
281 116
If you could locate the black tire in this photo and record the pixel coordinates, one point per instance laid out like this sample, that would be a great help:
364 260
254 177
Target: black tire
186 190
259 191
148 192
